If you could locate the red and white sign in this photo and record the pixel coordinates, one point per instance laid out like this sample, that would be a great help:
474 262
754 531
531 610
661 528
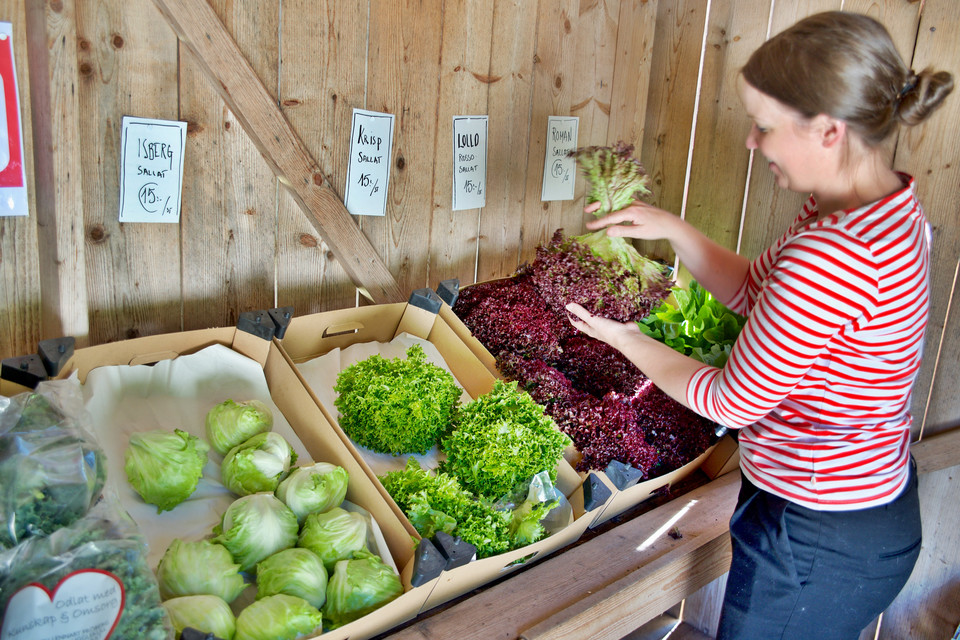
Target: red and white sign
13 183
85 605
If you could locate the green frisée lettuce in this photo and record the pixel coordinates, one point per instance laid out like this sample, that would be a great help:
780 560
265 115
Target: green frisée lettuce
230 423
698 326
255 527
295 572
334 535
164 467
436 502
199 567
501 440
206 613
258 464
399 405
314 488
278 617
359 586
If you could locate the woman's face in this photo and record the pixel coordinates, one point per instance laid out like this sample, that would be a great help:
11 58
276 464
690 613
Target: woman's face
789 142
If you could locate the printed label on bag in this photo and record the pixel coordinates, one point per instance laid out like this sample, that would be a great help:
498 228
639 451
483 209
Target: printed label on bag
85 605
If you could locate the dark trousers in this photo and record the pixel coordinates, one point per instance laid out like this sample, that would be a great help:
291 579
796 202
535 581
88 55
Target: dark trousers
800 574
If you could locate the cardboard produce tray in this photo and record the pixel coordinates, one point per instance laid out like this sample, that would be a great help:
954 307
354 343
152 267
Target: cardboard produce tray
310 337
313 434
626 491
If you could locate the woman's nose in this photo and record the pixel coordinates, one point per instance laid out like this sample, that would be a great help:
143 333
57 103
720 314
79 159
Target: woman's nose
751 141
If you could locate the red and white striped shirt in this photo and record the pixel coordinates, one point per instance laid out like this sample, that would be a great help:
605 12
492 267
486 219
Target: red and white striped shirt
819 381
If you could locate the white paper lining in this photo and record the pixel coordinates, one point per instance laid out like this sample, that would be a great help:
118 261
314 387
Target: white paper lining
178 393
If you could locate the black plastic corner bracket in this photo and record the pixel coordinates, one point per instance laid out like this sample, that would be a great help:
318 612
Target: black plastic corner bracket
27 371
426 299
456 552
257 323
428 563
55 352
595 492
449 290
189 633
622 475
281 317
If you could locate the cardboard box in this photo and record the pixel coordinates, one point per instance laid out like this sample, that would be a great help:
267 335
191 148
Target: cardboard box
310 425
309 337
716 460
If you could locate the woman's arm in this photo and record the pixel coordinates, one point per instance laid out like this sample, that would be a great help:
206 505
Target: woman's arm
716 268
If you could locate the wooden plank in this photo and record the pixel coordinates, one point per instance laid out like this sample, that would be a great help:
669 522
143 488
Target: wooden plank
770 209
670 107
512 65
639 558
718 172
626 604
931 153
636 27
465 81
200 30
551 94
594 66
228 218
938 451
127 62
403 79
20 280
46 296
323 49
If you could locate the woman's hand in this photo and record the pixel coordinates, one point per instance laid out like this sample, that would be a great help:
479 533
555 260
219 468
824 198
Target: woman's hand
638 220
617 334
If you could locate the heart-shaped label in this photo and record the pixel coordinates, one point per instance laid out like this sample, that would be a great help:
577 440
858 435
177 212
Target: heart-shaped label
85 605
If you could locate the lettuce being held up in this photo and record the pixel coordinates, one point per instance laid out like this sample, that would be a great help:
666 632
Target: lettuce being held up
606 275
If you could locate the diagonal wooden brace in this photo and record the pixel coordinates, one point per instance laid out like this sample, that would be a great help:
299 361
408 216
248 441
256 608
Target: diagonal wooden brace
200 30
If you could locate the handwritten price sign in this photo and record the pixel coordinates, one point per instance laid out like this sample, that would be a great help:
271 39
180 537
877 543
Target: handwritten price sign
368 173
151 174
559 171
469 162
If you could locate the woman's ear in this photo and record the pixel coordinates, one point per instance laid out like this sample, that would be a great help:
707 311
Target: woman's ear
831 130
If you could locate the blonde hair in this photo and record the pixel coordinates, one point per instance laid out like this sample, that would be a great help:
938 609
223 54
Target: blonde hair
845 65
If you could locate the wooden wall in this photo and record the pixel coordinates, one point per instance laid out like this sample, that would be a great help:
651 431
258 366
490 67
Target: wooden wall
658 73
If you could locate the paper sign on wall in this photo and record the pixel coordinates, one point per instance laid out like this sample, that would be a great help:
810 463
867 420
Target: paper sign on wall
368 172
469 162
151 169
559 170
13 178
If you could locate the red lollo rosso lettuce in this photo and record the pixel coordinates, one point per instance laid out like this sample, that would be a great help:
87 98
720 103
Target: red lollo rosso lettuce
607 276
491 309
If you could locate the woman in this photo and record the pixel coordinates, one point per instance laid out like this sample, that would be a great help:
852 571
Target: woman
827 526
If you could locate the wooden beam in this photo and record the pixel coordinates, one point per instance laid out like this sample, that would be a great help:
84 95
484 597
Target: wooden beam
937 451
202 32
53 79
